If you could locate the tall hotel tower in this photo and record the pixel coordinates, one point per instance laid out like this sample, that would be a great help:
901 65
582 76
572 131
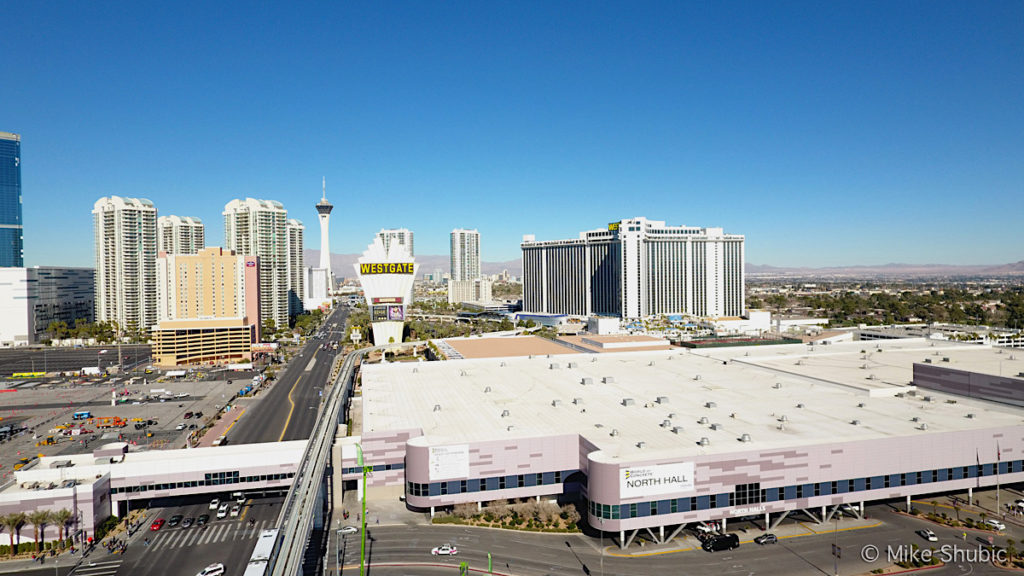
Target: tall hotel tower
11 234
125 236
634 269
465 255
323 208
180 235
260 228
400 236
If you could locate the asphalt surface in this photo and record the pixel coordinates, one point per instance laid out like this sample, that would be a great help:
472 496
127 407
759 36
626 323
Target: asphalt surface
402 550
288 410
72 359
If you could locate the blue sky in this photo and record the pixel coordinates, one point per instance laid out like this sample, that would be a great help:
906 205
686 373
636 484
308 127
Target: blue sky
828 133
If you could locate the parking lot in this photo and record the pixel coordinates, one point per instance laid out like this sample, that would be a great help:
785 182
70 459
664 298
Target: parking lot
41 408
56 360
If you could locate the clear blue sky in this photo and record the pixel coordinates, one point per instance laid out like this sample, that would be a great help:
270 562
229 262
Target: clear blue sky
828 133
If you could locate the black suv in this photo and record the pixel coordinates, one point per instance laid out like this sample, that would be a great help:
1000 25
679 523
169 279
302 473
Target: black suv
721 542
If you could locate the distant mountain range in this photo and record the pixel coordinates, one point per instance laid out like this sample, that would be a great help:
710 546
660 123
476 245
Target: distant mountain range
341 265
890 270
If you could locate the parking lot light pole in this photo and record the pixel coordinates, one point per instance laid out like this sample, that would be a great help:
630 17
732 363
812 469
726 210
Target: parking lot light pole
362 544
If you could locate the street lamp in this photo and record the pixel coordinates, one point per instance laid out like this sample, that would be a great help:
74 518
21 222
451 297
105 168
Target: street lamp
835 545
601 529
362 543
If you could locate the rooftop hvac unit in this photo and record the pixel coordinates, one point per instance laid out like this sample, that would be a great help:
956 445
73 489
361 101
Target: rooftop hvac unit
716 426
554 366
587 381
927 360
628 402
608 380
614 432
915 419
861 405
504 414
549 355
710 405
703 420
641 445
970 414
865 366
928 399
671 414
704 441
556 403
487 389
677 429
923 426
745 438
783 418
415 370
800 405
871 376
437 407
855 422
662 400
945 358
572 364
510 428
666 423
777 385
462 372
697 377
502 365
577 401
651 363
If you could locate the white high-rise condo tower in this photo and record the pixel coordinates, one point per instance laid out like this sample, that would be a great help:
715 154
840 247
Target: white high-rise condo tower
125 241
465 255
323 208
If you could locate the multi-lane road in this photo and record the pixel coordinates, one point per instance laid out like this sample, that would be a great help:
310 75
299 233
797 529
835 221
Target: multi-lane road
288 411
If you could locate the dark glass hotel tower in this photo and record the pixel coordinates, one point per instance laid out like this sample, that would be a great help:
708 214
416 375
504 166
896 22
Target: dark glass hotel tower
11 249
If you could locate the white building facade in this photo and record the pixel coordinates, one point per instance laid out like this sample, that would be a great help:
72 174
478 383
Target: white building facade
465 255
126 248
180 235
400 236
259 228
32 298
478 290
636 268
296 267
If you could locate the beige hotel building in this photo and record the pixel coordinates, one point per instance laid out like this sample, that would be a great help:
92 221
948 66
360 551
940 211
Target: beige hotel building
208 308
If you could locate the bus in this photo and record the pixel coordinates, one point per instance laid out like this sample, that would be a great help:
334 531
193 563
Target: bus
261 554
28 374
83 415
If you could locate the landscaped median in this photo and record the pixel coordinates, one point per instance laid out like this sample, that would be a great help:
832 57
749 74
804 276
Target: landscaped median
531 516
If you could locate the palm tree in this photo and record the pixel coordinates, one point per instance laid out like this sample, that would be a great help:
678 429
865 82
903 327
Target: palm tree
13 522
39 520
62 517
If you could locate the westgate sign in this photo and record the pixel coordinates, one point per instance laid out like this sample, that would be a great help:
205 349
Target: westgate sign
642 481
387 268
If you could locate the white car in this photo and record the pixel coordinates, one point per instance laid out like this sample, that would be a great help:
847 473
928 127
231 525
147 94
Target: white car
212 570
928 535
214 504
238 497
348 530
445 550
996 524
235 510
222 512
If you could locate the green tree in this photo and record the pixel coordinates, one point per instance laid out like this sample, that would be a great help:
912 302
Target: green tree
13 522
39 520
62 518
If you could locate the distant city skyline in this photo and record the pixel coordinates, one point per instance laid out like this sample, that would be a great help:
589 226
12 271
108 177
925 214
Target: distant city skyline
826 134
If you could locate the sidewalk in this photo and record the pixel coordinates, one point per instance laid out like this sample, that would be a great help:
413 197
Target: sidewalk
221 427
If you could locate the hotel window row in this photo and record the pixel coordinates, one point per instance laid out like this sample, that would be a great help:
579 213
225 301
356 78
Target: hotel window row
488 484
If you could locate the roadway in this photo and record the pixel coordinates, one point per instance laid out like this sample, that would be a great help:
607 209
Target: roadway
288 410
403 550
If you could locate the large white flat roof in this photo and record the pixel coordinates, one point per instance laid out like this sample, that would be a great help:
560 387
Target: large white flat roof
751 389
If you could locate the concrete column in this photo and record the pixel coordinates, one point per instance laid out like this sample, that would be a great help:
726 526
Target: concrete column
723 525
767 521
538 499
908 503
970 496
479 506
823 517
661 534
431 511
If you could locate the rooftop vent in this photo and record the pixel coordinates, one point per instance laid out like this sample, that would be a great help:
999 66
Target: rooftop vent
915 419
799 362
614 432
861 405
587 381
923 426
628 402
710 405
855 422
865 366
504 414
945 358
554 366
928 399
577 401
502 365
927 360
641 445
651 363
608 380
697 377
556 403
703 420
970 414
745 438
415 370
677 429
572 364
666 423
900 394
783 418
437 407
871 376
510 428
800 405
704 441
672 414
733 415
662 400
462 372
777 385
487 389
716 426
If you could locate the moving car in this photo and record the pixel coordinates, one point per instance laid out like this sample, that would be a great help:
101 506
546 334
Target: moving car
212 570
445 550
766 539
222 512
721 542
995 524
348 530
157 524
174 521
928 535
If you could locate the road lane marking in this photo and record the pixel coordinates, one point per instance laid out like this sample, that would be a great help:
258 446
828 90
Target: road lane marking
292 402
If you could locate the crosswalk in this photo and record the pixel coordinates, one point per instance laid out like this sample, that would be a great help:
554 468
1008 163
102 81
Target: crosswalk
106 568
214 533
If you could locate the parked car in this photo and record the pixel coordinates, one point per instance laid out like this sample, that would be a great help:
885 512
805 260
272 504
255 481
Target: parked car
188 522
180 426
203 519
188 415
175 520
721 542
157 524
928 535
215 503
445 550
766 539
212 570
222 512
236 510
238 497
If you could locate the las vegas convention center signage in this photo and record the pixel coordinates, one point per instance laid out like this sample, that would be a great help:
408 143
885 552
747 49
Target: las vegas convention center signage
655 480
